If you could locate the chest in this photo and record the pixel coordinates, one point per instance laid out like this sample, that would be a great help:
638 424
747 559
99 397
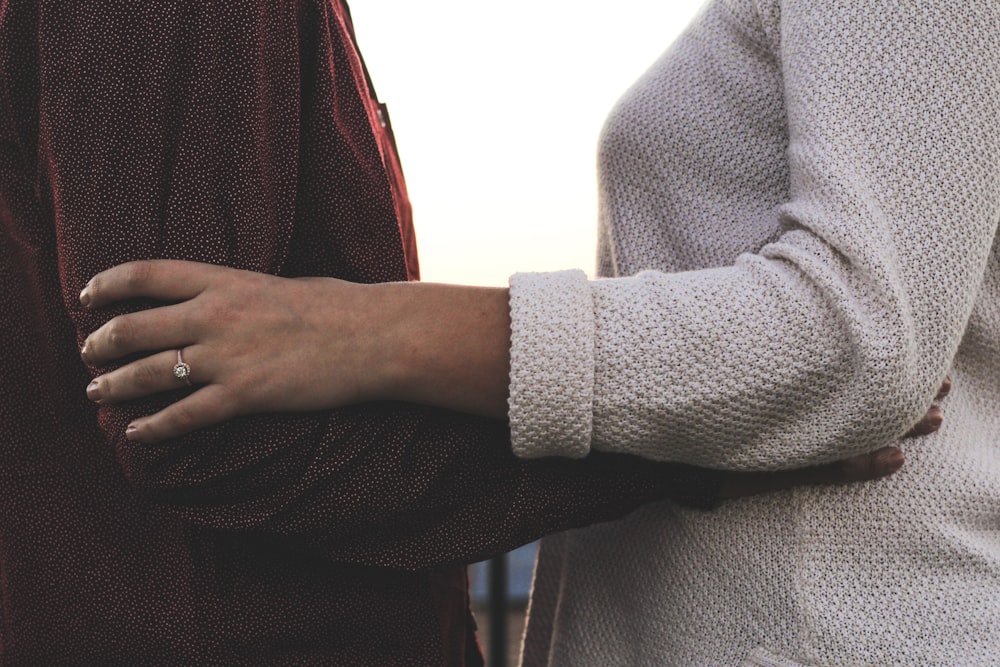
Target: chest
693 157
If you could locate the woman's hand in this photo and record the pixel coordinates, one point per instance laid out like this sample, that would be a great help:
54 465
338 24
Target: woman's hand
258 343
254 343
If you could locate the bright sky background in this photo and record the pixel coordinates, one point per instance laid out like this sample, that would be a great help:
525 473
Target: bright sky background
496 109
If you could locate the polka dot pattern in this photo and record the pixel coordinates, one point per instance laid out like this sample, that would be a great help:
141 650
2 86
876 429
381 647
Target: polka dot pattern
243 134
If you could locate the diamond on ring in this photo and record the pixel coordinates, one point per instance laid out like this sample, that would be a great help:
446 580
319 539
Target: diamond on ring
181 370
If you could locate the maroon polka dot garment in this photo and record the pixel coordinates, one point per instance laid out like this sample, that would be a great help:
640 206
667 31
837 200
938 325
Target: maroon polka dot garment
241 133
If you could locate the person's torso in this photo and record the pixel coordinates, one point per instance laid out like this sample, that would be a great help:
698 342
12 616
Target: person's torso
904 571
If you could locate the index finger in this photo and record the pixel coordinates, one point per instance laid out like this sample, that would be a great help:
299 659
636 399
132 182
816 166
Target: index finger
160 279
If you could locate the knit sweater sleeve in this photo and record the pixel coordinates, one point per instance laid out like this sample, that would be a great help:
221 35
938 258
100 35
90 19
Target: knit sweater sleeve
832 338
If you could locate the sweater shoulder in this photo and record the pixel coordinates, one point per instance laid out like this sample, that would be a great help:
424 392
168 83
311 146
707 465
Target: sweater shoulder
759 19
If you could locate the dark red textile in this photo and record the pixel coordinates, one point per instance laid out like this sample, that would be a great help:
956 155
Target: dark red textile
240 133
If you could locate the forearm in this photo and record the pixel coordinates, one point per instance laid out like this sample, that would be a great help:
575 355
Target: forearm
441 345
389 484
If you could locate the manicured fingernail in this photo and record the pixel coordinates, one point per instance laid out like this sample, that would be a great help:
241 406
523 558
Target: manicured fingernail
892 459
94 391
85 296
132 433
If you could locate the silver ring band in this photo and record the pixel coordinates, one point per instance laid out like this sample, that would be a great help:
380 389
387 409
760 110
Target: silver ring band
182 371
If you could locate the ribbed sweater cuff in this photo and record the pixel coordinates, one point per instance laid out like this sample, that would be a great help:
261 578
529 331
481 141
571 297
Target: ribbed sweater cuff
551 364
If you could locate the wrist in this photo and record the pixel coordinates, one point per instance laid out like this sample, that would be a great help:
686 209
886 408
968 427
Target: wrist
441 345
390 367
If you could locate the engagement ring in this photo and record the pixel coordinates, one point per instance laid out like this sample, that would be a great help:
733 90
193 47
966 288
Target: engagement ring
181 370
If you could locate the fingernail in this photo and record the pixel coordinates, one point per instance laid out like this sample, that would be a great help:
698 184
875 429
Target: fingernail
891 459
945 388
132 433
83 353
94 392
935 417
85 296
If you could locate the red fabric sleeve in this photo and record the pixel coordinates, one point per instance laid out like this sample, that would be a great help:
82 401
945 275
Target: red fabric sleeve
239 134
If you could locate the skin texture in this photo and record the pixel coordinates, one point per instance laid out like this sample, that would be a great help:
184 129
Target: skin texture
279 352
257 343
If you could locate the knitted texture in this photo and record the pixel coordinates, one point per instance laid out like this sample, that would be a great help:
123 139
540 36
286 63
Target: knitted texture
804 195
549 409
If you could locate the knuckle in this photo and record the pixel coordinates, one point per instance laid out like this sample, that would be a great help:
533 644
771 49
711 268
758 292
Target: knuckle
135 275
120 333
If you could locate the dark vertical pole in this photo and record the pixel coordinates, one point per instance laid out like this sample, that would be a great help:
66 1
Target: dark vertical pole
498 612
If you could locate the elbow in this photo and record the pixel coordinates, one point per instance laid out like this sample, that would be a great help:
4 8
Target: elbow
896 382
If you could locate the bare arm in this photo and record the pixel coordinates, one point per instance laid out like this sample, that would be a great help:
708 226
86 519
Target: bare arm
440 345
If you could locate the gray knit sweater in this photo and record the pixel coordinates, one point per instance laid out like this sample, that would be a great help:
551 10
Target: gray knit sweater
805 195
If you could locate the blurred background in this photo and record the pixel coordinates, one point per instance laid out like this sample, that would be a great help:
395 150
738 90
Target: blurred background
496 108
